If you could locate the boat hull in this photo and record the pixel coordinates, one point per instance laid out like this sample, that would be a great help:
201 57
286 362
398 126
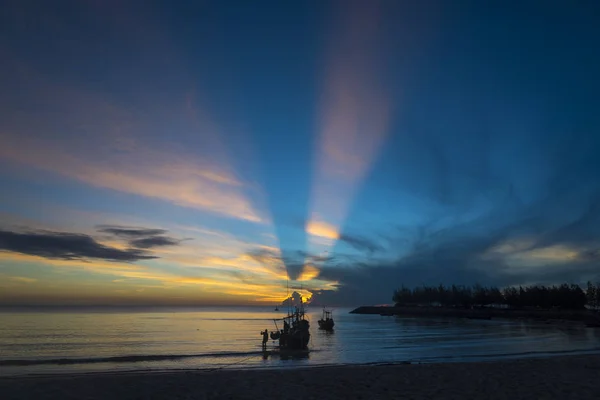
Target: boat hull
326 324
294 341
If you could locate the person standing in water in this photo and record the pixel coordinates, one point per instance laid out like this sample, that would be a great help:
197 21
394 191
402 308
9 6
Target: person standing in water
265 336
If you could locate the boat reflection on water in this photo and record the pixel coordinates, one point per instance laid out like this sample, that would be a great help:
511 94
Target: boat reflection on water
294 355
286 355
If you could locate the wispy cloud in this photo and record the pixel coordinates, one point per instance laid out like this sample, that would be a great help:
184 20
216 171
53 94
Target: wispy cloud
130 232
174 177
85 136
248 271
361 243
21 279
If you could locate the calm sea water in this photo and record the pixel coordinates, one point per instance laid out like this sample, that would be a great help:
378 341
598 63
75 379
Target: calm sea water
108 340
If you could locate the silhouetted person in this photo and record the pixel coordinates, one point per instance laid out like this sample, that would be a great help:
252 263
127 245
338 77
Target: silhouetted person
265 338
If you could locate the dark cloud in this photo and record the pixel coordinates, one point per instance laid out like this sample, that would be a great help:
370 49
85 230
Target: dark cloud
245 277
128 232
268 258
361 243
529 179
295 299
293 263
153 241
299 256
590 255
65 246
462 253
582 230
142 238
455 245
263 256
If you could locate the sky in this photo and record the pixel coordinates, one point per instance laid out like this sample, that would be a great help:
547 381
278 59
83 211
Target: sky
219 152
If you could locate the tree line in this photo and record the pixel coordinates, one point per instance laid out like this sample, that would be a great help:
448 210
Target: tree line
538 296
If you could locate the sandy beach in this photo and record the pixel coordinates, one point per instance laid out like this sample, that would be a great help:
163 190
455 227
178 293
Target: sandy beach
566 377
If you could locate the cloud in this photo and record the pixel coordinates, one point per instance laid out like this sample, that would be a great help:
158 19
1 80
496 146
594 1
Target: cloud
309 272
238 287
129 232
294 300
81 135
321 229
509 236
270 260
174 177
141 238
507 246
297 266
316 259
66 246
153 241
22 279
361 243
520 206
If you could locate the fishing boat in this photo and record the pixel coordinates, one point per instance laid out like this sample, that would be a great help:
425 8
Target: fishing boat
276 308
326 322
295 334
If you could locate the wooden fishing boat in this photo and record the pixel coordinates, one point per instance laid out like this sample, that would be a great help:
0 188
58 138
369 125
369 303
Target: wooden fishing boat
295 334
326 322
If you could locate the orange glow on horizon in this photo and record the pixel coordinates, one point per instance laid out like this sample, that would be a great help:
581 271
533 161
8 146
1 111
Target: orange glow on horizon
142 283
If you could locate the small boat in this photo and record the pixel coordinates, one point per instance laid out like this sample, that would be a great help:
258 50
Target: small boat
326 322
275 335
276 308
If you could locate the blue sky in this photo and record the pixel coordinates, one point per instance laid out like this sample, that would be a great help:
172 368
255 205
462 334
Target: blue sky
204 152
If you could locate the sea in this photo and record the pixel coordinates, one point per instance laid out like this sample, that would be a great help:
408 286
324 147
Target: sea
83 340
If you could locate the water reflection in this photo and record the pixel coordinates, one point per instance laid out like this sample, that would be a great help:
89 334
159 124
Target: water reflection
285 355
294 355
326 332
221 337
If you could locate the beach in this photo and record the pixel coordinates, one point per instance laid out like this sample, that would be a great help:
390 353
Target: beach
561 377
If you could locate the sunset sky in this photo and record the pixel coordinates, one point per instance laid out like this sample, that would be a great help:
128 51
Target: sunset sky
203 152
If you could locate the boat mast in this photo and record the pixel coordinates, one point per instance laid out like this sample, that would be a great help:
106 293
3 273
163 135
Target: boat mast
301 301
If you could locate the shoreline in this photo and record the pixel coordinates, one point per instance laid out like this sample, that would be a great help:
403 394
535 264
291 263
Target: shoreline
584 316
573 376
237 365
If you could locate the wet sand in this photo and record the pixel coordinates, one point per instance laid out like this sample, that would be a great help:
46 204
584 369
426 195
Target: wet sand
567 377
